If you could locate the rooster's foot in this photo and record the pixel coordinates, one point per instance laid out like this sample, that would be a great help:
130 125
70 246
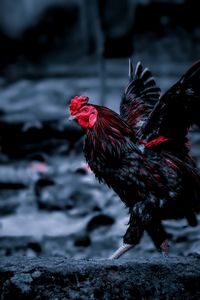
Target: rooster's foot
165 248
120 251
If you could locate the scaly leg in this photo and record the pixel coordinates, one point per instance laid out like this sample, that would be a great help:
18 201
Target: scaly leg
165 248
140 218
130 239
159 236
121 250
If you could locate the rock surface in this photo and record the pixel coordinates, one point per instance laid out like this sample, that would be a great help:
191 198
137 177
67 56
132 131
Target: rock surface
61 278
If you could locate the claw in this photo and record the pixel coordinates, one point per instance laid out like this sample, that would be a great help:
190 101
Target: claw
165 248
120 251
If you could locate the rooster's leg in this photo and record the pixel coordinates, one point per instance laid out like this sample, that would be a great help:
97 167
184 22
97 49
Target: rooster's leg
159 236
165 248
131 238
141 218
120 251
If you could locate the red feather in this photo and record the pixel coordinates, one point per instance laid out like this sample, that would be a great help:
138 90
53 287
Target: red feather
154 142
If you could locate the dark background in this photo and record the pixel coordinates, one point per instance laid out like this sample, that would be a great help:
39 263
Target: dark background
50 51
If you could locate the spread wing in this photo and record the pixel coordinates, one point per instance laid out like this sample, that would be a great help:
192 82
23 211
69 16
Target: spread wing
177 110
140 96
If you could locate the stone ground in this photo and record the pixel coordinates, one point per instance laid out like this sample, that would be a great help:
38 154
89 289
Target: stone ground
60 278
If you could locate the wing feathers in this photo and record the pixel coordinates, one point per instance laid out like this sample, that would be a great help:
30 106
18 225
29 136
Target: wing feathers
140 95
150 82
138 70
146 73
177 110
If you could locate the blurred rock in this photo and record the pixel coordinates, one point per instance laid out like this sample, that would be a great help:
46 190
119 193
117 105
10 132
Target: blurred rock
8 206
41 183
14 176
14 246
14 180
82 240
98 221
60 278
36 120
70 194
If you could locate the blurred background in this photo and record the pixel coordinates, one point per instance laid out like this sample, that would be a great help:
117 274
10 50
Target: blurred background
52 50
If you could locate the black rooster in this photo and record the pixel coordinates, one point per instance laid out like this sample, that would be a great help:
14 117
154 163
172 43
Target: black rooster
143 153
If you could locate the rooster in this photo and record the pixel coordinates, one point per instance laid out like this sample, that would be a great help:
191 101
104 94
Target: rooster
143 152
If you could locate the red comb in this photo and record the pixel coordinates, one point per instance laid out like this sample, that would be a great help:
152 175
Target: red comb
76 103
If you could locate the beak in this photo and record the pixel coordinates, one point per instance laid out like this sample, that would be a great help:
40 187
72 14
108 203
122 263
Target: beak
71 118
75 117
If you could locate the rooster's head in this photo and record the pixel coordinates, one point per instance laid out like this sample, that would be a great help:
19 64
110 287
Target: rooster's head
84 113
